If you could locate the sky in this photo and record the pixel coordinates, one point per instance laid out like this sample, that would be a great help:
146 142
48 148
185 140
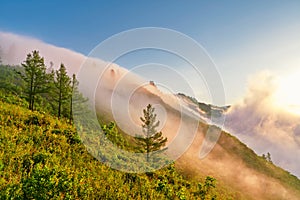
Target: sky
241 37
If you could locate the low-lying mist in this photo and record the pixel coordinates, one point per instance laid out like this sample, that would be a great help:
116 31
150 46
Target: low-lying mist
265 126
14 48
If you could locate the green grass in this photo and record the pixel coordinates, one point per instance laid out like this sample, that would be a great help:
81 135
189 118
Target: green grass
42 157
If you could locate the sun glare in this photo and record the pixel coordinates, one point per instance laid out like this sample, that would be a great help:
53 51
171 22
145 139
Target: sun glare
288 94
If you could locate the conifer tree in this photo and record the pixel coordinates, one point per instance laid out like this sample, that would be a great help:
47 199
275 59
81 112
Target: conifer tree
35 77
74 93
152 140
269 157
78 103
62 84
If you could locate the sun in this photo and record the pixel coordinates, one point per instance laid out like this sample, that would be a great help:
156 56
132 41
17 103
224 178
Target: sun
288 93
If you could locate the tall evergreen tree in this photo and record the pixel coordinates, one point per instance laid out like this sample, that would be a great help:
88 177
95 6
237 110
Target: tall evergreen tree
78 103
151 140
74 91
35 77
268 157
62 84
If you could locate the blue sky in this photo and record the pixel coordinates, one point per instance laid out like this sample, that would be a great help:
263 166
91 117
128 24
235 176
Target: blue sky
242 37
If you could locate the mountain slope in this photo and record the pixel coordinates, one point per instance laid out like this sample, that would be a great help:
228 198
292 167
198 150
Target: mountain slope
38 144
237 168
232 146
42 157
205 111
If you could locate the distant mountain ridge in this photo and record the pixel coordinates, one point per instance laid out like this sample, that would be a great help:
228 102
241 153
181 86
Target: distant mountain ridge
205 110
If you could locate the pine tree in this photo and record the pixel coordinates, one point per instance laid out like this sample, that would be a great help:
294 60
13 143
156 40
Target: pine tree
74 95
152 140
35 77
74 85
269 157
62 84
78 103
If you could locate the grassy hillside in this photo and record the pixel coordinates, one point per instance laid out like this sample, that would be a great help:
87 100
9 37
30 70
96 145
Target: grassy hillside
42 157
237 149
239 170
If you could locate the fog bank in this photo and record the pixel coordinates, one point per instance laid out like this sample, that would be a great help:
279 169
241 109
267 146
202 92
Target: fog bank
264 126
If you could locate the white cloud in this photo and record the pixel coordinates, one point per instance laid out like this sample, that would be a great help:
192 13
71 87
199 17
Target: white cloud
14 49
264 126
